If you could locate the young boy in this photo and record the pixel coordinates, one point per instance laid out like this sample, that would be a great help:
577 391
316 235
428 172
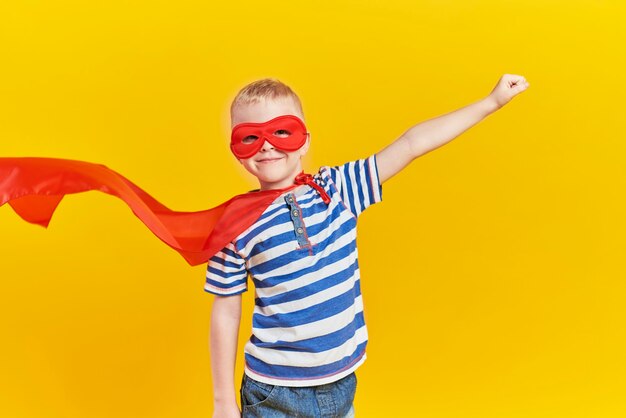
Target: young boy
308 331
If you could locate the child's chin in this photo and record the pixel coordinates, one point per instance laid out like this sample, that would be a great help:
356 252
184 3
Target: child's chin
272 170
271 178
274 177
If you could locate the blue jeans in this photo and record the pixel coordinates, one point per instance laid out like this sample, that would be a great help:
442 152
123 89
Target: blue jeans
331 400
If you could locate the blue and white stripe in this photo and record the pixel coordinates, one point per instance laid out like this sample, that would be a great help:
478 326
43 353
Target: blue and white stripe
308 326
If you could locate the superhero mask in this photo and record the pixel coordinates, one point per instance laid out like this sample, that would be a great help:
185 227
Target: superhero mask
286 132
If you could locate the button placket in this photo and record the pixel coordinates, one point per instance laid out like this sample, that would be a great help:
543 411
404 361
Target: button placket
296 219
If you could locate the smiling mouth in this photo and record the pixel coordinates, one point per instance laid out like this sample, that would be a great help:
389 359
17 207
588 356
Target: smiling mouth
269 160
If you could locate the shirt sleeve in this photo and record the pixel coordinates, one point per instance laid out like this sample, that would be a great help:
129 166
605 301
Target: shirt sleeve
226 273
358 184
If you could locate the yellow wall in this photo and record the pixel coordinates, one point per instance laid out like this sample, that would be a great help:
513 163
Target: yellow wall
492 273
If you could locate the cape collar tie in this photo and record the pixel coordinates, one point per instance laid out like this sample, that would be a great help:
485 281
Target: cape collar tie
304 178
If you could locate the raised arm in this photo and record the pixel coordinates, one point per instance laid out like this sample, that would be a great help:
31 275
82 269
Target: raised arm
431 134
225 318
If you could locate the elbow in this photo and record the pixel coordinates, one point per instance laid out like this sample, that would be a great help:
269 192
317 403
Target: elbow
415 146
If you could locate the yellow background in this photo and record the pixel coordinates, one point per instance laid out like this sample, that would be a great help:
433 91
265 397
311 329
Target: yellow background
493 272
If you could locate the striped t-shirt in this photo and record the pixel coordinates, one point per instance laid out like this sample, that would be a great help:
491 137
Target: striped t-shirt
308 326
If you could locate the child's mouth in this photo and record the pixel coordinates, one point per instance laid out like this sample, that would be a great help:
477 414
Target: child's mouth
269 160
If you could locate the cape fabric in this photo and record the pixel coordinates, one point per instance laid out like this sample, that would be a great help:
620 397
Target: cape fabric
34 187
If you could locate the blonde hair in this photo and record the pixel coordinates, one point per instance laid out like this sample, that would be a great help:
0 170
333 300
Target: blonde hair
267 88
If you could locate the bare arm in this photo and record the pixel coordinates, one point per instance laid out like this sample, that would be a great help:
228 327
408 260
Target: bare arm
433 133
225 319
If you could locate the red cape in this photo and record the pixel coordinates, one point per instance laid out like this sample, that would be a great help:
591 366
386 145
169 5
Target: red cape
33 187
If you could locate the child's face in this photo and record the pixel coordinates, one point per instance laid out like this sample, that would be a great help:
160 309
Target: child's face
275 168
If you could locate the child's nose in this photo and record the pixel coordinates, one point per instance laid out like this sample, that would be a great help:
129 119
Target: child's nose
266 145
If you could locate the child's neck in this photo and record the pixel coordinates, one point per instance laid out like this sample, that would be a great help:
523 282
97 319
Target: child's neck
283 184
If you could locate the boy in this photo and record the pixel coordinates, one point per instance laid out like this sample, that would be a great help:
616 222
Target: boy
309 334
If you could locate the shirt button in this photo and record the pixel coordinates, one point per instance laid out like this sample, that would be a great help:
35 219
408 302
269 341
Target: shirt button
290 199
299 230
295 213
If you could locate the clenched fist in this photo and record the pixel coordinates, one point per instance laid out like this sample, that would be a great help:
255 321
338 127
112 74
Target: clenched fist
509 86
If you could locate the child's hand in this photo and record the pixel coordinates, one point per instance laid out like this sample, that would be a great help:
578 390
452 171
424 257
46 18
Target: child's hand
509 86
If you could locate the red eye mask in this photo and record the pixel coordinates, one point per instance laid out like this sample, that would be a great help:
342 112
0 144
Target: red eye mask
286 132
